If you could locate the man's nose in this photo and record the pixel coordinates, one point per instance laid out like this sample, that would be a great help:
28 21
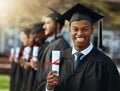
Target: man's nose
80 32
44 26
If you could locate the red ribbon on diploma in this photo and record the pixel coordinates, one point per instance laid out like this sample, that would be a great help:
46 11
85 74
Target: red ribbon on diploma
24 52
56 62
33 57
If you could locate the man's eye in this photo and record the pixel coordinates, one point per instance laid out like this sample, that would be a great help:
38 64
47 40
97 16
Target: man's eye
85 29
74 29
47 22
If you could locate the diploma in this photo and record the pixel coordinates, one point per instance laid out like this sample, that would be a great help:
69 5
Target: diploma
17 52
27 51
35 53
55 60
12 51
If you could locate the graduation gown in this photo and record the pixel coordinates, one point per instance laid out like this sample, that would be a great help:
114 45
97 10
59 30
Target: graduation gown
42 48
57 44
33 72
27 77
13 75
18 78
19 74
95 72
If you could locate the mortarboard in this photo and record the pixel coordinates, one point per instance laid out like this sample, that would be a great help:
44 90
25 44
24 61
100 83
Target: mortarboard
56 16
80 12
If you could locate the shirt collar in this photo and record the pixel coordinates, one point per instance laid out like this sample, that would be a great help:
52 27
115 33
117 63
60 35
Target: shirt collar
59 35
49 39
85 51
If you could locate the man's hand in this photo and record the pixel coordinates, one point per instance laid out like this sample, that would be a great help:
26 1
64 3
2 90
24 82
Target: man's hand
11 59
27 65
34 64
15 59
52 80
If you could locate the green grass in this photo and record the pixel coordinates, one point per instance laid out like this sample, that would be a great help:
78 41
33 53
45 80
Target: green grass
4 82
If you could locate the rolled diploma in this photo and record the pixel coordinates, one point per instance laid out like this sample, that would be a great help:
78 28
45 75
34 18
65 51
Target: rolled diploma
55 56
12 51
35 53
27 51
17 52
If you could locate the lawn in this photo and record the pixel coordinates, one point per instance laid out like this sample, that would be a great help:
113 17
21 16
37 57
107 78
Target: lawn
4 82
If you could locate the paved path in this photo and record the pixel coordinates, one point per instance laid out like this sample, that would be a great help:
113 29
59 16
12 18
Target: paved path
5 65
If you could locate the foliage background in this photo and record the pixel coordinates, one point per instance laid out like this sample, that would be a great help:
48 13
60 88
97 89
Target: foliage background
4 82
23 13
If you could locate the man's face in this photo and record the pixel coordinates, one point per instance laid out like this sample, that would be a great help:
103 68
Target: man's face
81 32
49 27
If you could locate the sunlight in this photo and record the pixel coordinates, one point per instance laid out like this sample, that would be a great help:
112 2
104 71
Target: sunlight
7 7
4 6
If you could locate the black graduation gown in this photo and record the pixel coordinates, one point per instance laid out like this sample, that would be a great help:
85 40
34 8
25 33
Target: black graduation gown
28 75
18 75
58 44
13 75
31 79
25 79
42 48
33 72
18 78
96 72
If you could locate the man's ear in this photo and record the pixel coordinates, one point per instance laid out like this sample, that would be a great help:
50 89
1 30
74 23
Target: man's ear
92 29
58 27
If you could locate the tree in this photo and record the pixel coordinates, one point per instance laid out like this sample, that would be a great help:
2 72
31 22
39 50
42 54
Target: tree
27 12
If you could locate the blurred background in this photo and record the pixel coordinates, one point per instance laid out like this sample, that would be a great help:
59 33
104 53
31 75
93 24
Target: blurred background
18 14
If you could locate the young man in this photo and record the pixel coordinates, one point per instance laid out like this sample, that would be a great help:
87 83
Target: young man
52 28
83 67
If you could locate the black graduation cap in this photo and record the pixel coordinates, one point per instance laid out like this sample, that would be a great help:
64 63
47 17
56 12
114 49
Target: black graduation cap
79 12
56 16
